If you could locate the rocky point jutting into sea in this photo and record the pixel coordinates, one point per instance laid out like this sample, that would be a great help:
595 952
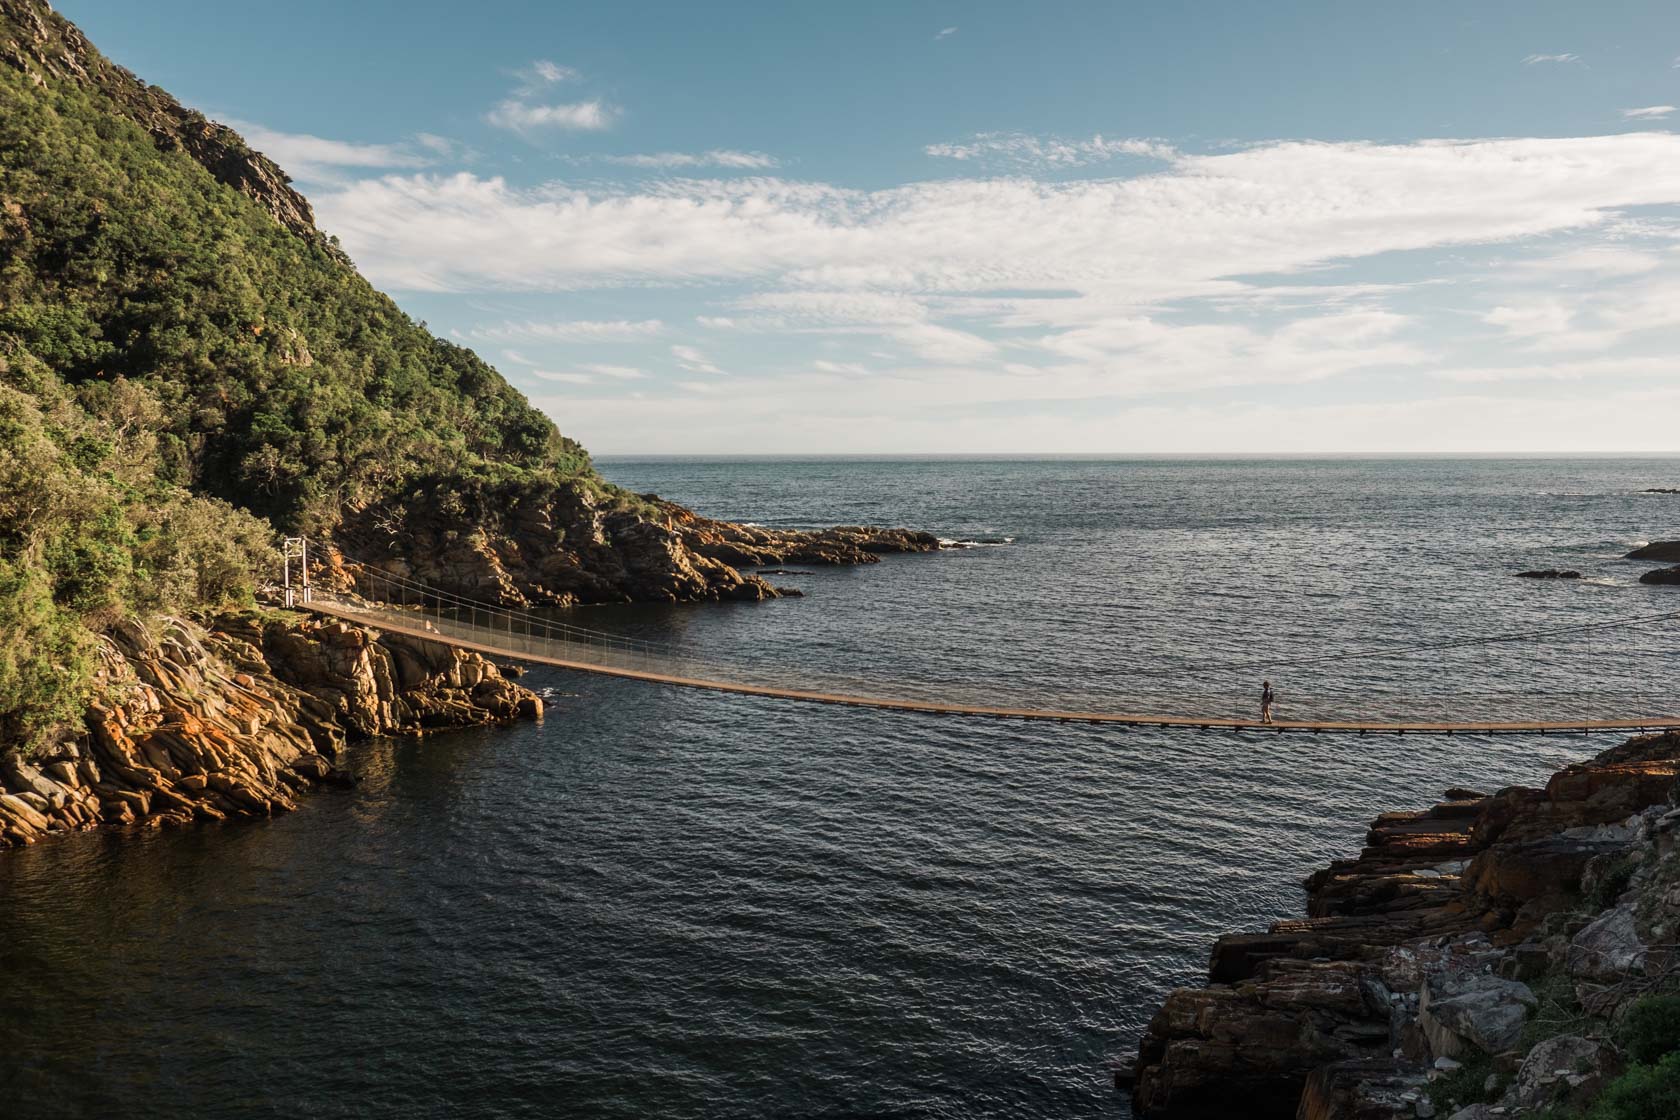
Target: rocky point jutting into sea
1481 958
189 370
236 714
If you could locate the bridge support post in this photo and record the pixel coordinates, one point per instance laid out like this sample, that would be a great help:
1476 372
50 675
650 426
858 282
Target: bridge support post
295 550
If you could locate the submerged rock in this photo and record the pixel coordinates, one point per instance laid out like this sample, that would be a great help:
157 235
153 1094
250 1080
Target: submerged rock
1550 573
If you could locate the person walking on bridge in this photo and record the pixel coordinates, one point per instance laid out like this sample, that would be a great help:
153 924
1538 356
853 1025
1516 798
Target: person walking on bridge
1265 701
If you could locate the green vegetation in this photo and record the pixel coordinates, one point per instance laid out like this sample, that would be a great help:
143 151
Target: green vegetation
1651 1029
181 377
1644 1092
1465 1085
1559 1011
1613 882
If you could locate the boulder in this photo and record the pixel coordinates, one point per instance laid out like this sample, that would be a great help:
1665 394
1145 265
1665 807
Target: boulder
1566 1069
1662 575
1608 950
1364 1089
1463 1014
1666 552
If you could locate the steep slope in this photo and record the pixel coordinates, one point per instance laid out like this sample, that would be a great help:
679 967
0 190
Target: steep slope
188 368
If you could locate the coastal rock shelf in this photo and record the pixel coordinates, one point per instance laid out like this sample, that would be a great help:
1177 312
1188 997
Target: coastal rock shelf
570 545
1425 953
237 720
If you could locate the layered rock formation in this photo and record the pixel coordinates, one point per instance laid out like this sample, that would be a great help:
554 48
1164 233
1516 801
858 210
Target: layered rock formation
580 544
1427 954
236 720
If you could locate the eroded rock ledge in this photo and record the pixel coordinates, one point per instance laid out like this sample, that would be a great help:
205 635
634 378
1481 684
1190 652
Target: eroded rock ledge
193 723
1470 962
563 546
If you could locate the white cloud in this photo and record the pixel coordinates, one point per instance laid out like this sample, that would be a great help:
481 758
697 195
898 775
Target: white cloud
578 116
944 33
693 360
543 72
575 330
1648 113
1047 151
1540 317
309 157
1534 58
718 157
1601 260
622 373
569 378
1282 209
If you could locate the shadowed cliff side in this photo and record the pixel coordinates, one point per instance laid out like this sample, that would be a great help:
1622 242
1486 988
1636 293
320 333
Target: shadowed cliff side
1476 960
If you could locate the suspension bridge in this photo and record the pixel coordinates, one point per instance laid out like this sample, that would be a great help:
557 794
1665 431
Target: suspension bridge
392 602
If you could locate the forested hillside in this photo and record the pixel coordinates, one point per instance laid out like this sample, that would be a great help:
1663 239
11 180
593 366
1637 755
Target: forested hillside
187 366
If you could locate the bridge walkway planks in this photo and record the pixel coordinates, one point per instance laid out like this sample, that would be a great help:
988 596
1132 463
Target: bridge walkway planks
382 621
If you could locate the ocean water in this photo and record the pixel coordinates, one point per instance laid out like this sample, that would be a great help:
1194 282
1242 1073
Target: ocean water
685 904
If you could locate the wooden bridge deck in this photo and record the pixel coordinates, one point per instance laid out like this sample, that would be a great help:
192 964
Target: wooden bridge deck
419 628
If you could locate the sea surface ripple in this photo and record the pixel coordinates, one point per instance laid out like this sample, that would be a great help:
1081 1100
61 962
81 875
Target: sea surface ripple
683 904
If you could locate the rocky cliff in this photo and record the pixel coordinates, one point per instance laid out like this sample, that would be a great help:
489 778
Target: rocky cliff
46 47
1476 959
194 724
562 546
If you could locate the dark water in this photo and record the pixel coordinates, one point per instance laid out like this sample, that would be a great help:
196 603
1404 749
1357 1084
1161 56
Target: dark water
678 904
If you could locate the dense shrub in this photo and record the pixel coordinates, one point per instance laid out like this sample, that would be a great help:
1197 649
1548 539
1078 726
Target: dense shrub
1644 1092
1651 1029
181 376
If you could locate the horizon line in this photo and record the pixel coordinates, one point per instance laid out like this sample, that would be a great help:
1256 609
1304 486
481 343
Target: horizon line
1126 455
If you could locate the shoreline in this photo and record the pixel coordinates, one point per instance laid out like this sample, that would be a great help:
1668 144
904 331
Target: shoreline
240 718
1436 950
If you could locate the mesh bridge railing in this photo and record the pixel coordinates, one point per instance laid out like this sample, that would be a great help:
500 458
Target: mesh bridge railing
398 602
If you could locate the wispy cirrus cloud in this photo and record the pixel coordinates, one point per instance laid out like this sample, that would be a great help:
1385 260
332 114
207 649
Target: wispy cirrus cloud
1648 113
668 161
1180 233
944 33
523 113
1212 271
574 330
305 156
516 115
542 73
1534 59
1047 151
693 360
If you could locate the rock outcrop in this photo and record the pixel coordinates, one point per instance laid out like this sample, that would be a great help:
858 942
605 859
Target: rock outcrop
585 544
1550 573
238 719
1428 954
1669 576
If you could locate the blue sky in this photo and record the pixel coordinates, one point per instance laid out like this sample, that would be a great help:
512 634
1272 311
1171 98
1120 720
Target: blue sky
989 227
